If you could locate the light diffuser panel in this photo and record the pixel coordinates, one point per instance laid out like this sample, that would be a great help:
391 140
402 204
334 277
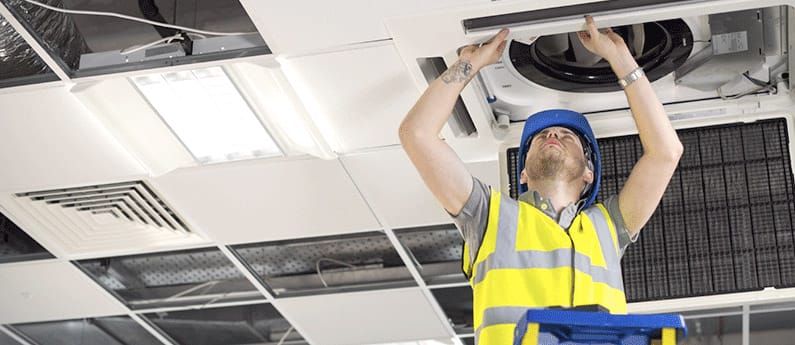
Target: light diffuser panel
205 110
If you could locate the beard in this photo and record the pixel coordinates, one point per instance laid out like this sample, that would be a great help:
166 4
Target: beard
552 166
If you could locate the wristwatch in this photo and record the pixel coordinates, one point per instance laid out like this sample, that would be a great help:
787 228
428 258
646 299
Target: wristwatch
631 77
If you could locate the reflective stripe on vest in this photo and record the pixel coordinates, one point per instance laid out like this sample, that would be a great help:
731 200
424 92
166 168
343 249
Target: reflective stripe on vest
526 260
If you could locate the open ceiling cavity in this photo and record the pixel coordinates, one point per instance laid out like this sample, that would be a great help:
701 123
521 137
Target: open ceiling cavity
199 276
326 265
249 324
435 251
112 330
16 245
85 42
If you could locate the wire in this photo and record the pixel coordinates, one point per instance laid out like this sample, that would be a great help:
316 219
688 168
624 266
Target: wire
123 16
142 47
760 86
320 273
281 341
196 35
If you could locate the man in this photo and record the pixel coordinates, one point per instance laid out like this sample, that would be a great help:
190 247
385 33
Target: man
553 247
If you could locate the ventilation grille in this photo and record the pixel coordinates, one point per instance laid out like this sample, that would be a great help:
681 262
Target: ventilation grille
725 223
107 216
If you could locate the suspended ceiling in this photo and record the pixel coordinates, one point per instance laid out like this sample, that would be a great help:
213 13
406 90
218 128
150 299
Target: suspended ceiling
351 79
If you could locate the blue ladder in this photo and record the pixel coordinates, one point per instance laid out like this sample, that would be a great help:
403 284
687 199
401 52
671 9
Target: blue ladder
570 327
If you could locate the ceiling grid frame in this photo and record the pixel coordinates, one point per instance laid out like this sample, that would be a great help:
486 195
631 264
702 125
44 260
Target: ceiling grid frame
150 329
34 44
197 306
249 273
404 255
12 335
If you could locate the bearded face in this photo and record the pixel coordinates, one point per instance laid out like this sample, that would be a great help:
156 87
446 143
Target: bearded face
556 153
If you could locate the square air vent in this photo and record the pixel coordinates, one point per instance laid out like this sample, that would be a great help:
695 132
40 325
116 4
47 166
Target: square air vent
93 218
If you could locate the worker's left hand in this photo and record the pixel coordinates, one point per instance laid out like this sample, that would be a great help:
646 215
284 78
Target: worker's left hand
609 45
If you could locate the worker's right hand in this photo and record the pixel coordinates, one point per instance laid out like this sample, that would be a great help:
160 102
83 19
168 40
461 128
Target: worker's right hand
485 54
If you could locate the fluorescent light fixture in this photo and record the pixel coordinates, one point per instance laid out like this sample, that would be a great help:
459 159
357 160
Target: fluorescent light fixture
208 114
273 97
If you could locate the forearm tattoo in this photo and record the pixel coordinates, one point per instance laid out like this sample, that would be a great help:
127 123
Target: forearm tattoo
459 72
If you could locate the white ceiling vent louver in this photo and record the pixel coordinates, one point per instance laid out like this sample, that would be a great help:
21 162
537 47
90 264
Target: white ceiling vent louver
90 220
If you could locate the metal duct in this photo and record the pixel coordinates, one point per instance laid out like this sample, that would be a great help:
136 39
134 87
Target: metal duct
56 31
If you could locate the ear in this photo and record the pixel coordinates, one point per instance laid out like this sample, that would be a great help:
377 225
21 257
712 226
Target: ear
523 178
587 176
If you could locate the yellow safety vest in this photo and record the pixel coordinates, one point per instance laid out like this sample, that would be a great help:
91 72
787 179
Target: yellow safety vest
527 260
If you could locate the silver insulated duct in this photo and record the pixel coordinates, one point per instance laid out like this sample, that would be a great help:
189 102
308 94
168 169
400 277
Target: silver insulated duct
56 31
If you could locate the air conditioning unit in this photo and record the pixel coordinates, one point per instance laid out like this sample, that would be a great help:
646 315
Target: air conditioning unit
708 60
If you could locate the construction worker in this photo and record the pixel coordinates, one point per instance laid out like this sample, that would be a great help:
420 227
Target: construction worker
554 246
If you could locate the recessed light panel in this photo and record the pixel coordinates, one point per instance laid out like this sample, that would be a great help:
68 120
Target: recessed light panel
208 114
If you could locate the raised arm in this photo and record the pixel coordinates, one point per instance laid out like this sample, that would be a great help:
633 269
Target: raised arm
438 165
661 146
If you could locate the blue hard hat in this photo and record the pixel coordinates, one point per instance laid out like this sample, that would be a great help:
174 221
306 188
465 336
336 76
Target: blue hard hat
573 121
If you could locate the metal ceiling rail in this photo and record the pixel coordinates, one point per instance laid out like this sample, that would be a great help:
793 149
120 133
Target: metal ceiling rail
404 255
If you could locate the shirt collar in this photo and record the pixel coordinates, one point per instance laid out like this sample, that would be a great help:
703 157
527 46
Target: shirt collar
567 215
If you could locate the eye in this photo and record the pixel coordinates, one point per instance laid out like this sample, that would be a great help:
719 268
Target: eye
567 134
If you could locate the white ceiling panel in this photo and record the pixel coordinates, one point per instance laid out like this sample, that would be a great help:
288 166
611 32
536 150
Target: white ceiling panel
50 139
294 26
357 97
394 189
371 317
51 290
263 200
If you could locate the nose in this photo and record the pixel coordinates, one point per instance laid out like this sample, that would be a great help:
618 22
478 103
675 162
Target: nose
553 132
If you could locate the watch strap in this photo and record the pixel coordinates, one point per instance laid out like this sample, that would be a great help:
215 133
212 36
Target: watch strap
631 77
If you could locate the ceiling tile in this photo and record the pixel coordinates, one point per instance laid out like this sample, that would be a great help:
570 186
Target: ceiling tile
50 139
264 200
371 317
357 97
291 26
394 189
51 290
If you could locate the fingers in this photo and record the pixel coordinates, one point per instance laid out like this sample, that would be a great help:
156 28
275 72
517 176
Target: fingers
498 39
590 26
501 47
614 36
584 37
